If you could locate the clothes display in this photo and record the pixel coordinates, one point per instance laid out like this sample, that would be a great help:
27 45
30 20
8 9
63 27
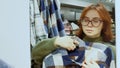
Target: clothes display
45 18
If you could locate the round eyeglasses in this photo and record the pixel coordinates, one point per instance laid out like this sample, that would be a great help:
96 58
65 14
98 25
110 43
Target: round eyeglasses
94 22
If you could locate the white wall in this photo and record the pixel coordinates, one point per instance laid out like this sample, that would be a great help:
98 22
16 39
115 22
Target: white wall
14 33
117 9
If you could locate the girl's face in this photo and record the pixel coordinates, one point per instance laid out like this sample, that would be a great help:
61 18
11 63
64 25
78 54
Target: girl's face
92 24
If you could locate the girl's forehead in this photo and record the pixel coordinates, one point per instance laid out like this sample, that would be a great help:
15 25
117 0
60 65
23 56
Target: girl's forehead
92 14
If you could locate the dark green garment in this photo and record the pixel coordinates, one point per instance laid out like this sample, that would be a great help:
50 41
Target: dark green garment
98 39
42 49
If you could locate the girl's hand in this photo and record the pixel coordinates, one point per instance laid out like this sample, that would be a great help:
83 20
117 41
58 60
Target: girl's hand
66 42
90 64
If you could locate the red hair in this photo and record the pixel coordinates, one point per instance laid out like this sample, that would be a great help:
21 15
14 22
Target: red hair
106 32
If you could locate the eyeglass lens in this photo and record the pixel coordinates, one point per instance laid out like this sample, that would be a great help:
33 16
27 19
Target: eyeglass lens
95 21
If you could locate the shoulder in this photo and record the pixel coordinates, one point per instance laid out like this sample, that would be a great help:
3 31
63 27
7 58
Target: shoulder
113 47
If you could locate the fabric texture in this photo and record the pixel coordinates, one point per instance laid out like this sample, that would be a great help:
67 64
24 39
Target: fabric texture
100 40
45 20
38 31
101 53
41 50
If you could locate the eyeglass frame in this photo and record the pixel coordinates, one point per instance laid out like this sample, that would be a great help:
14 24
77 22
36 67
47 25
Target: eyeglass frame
100 21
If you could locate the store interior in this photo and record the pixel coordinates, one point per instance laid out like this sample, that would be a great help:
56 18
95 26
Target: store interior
71 10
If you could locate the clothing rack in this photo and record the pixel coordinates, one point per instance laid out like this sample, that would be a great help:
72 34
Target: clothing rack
45 20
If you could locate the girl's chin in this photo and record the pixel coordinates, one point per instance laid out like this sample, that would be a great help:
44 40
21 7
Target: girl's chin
91 36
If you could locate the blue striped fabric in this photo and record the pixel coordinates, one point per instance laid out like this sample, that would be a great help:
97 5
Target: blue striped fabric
56 21
37 24
42 8
48 21
53 19
85 51
45 20
59 19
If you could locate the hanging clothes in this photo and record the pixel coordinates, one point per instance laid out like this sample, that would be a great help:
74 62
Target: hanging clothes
43 13
52 17
45 20
60 24
37 26
32 25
